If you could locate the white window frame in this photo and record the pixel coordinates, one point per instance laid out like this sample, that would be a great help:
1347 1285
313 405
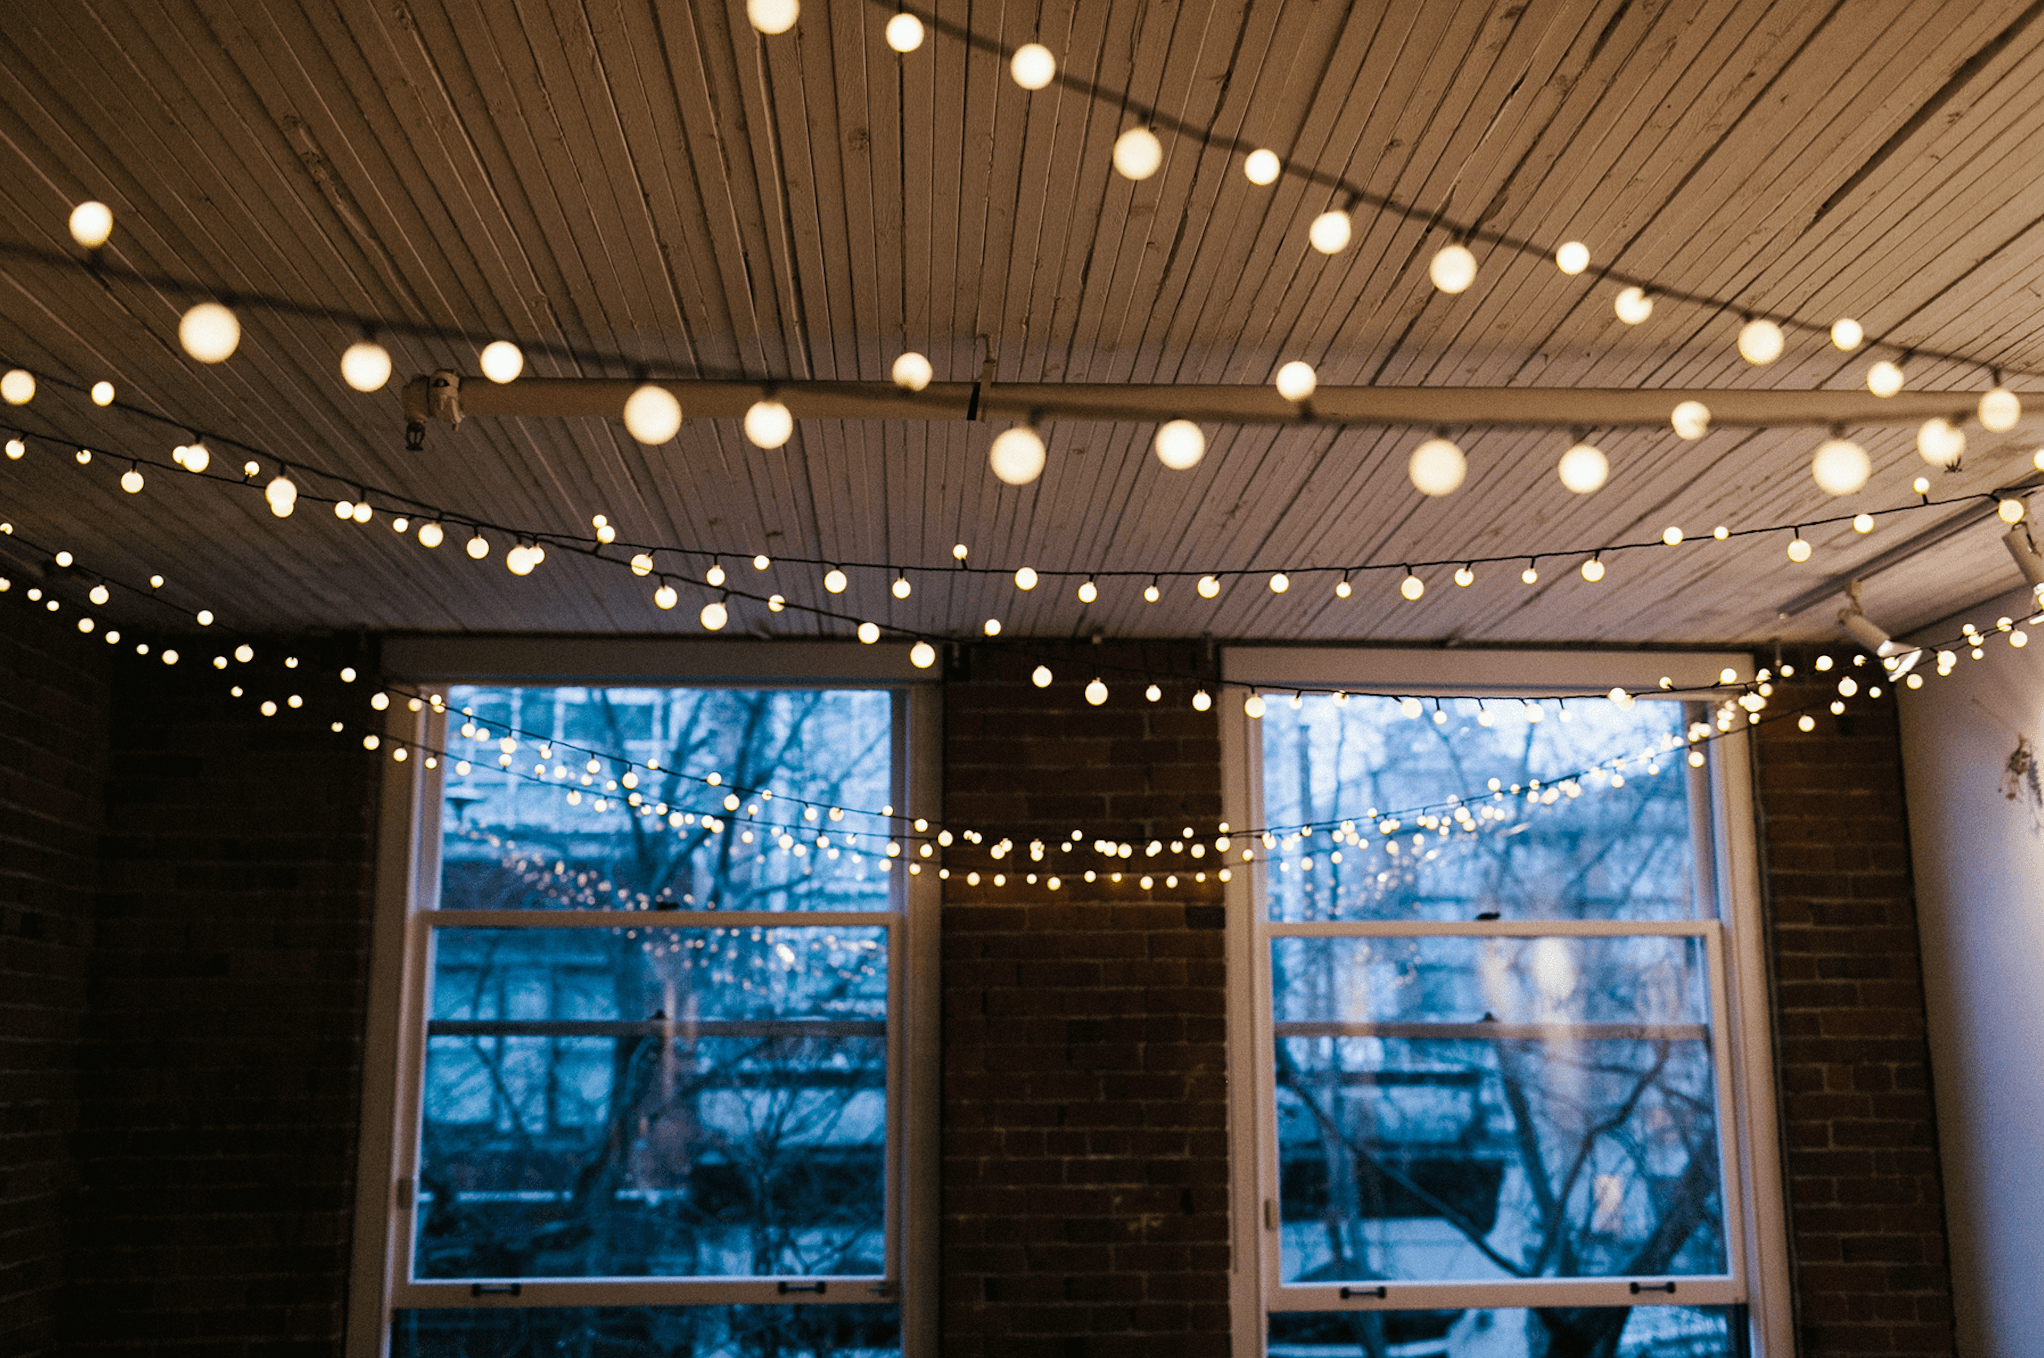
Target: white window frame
406 898
1755 1214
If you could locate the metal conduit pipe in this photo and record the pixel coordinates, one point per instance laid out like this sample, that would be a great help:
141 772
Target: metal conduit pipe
447 397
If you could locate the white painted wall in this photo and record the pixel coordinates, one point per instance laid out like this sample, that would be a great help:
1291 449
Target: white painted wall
1979 861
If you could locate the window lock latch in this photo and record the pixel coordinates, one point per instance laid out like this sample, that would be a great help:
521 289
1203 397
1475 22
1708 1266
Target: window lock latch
1378 1292
1638 1288
495 1289
784 1287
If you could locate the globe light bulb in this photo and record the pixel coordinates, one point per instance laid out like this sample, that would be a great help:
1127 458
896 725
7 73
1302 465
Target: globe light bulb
1208 587
1862 523
1330 232
1884 378
2000 410
1921 485
869 632
1040 676
1672 535
197 457
835 581
1760 341
1464 576
1690 419
761 562
1452 268
652 415
1798 549
91 224
992 627
478 547
1153 693
1583 468
1263 167
17 388
365 365
1721 533
773 16
1032 66
1180 444
1088 592
1940 442
1437 467
768 424
1017 455
362 512
1151 594
131 481
1096 693
1137 153
2010 510
282 495
344 509
1840 467
901 587
431 534
922 655
1593 570
714 615
1254 705
1342 588
912 371
102 393
1847 334
16 450
517 562
1412 587
1296 381
1025 578
1529 576
1201 701
904 33
502 361
209 332
1633 305
714 576
1280 582
1572 258
665 597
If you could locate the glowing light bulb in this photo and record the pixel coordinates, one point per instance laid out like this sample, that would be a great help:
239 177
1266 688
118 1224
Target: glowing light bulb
1940 442
16 450
1529 576
665 597
1032 66
1041 676
344 509
1999 410
100 594
17 388
1254 705
131 481
1672 535
761 562
1208 587
1263 167
714 615
1342 588
904 33
1296 380
1330 232
1412 587
1153 693
1025 578
1137 153
1572 258
282 495
1847 334
1017 455
2010 510
1593 570
992 627
1721 532
912 371
1452 268
363 513
209 332
1840 467
1096 693
1088 592
652 414
835 580
196 457
714 576
768 424
1690 419
1151 594
922 655
1921 485
365 365
901 587
478 547
1633 305
1280 582
869 632
1464 577
431 534
1760 341
102 393
1201 701
773 16
1798 549
1884 378
91 224
1583 468
1437 467
1862 523
517 562
1180 444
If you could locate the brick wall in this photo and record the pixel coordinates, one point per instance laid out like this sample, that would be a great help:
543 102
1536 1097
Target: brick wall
1085 1163
53 695
1865 1203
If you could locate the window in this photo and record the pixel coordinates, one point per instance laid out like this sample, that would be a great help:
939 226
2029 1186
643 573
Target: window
1497 1105
660 1057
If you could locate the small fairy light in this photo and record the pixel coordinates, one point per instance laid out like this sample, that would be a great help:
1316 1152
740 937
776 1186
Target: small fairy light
1999 409
1593 570
16 450
1296 381
768 424
1672 535
835 580
1151 593
904 33
1884 378
1153 694
1254 705
901 588
209 332
1760 341
282 495
365 365
1465 576
17 387
773 16
1280 582
502 361
1633 305
1690 419
431 534
1088 591
1262 167
1529 576
1847 334
1096 692
665 597
102 393
1202 700
1331 232
1180 444
1041 676
1032 66
992 627
912 371
714 615
131 481
869 632
1840 466
1583 468
1437 467
714 576
1411 587
922 655
1572 258
1452 269
1721 533
1863 523
1799 548
1208 587
91 223
1940 442
652 414
1026 578
1017 455
83 455
2010 510
477 547
761 562
197 457
1342 588
1137 153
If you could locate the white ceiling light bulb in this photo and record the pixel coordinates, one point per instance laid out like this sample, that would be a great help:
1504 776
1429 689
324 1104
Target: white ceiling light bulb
1412 587
1025 578
1798 548
1280 582
2010 510
1137 153
652 414
1760 341
1180 444
869 632
17 388
665 597
1940 442
502 361
1691 419
91 224
768 424
1593 570
131 481
1464 576
362 512
642 563
1583 468
1032 66
1840 466
517 562
1017 455
1208 587
912 371
1330 232
282 495
1572 258
1437 467
16 450
835 581
714 575
1151 594
1263 167
1884 378
901 588
1452 268
1041 676
1342 588
1202 700
102 393
197 457
1847 334
1862 522
477 546
904 33
431 534
209 332
1296 381
344 509
992 627
714 615
1633 305
1999 409
1088 592
773 16
365 365
922 655
1096 693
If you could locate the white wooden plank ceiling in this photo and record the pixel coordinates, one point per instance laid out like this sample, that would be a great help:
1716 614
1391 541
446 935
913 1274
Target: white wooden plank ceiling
660 184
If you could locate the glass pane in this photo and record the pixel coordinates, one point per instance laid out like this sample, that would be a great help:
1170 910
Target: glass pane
663 1102
1481 1108
650 1332
791 822
1520 818
1552 1332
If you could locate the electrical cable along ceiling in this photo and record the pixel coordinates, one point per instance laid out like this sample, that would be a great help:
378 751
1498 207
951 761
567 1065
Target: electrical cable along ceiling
630 191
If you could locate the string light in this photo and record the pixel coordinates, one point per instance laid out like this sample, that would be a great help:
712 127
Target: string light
1096 692
1137 153
91 223
715 615
901 588
502 361
1583 468
1088 591
1411 587
1437 467
282 495
1180 444
1262 167
773 16
1296 381
1032 66
478 546
912 371
1847 334
1572 258
131 481
1798 548
102 393
1760 341
1633 305
1452 269
197 457
1691 419
1884 378
17 387
1330 232
1840 466
904 33
365 365
1999 409
768 424
1208 586
1017 455
1940 442
209 332
431 534
652 414
835 580
1025 578
922 655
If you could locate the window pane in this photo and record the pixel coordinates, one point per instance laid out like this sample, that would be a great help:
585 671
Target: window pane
1480 1108
660 1102
1555 1332
576 841
642 1331
1602 846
